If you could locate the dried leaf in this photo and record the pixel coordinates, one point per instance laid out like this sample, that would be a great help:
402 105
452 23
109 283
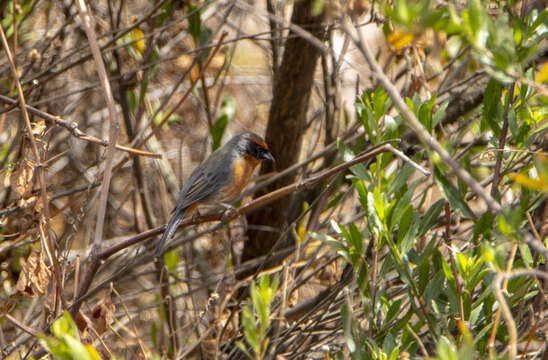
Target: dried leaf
21 180
103 314
39 128
35 275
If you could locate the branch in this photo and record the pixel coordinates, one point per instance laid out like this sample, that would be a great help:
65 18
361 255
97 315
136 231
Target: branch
72 127
89 23
414 123
506 313
225 216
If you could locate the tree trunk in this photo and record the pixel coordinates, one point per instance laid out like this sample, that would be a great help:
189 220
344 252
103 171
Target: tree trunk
286 125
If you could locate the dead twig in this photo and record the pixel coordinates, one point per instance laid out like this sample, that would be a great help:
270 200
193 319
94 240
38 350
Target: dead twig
72 127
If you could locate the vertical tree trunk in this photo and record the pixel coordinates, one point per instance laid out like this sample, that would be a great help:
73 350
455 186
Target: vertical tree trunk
286 124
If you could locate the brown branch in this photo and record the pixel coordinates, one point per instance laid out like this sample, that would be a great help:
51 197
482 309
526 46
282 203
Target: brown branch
498 289
89 24
72 127
16 103
502 142
20 325
100 256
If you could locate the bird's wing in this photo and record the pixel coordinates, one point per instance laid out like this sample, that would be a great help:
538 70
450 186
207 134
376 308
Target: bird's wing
204 185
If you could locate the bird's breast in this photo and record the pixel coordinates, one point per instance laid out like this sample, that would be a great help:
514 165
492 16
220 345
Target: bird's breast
241 173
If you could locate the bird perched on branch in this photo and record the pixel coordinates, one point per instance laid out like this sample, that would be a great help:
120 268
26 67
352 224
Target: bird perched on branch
221 177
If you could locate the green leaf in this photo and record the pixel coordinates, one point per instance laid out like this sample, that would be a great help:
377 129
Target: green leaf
492 108
402 204
400 179
242 347
76 348
358 170
362 192
194 23
250 329
372 213
430 218
379 203
317 7
424 275
356 237
65 326
55 347
393 310
334 244
171 259
434 288
526 255
163 15
403 229
484 225
347 328
452 195
154 333
228 108
260 307
439 114
381 102
132 101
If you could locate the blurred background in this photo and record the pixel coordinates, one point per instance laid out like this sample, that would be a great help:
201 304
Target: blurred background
394 258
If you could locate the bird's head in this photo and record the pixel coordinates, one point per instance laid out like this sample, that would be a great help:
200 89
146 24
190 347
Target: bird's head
253 145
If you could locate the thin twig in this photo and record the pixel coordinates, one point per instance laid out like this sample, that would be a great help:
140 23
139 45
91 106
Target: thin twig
510 322
491 341
20 325
414 123
89 25
502 142
72 127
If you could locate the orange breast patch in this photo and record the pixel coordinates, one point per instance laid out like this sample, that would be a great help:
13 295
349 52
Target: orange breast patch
241 172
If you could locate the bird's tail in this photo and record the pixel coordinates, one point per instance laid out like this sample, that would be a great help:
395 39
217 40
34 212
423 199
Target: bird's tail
170 230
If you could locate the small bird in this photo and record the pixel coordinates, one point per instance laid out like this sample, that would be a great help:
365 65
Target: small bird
221 177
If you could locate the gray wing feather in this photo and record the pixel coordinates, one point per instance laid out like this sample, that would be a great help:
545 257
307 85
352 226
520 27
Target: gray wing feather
203 185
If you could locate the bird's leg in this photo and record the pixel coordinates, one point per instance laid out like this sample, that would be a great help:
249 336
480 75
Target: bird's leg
229 210
195 214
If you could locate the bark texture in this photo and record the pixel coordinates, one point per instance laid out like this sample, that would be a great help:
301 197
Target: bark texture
286 124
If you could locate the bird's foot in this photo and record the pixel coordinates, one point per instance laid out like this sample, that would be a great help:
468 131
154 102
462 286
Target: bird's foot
228 213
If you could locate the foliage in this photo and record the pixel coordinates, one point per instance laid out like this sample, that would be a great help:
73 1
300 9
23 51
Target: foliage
65 342
423 248
256 317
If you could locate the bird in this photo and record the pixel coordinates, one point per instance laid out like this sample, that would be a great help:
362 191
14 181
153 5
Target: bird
220 177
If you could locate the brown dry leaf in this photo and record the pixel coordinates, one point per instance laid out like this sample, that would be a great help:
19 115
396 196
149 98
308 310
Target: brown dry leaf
29 203
81 321
359 7
39 128
38 203
21 180
35 275
221 323
103 314
210 347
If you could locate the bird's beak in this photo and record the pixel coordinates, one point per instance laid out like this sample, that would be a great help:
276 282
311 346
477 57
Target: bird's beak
268 156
